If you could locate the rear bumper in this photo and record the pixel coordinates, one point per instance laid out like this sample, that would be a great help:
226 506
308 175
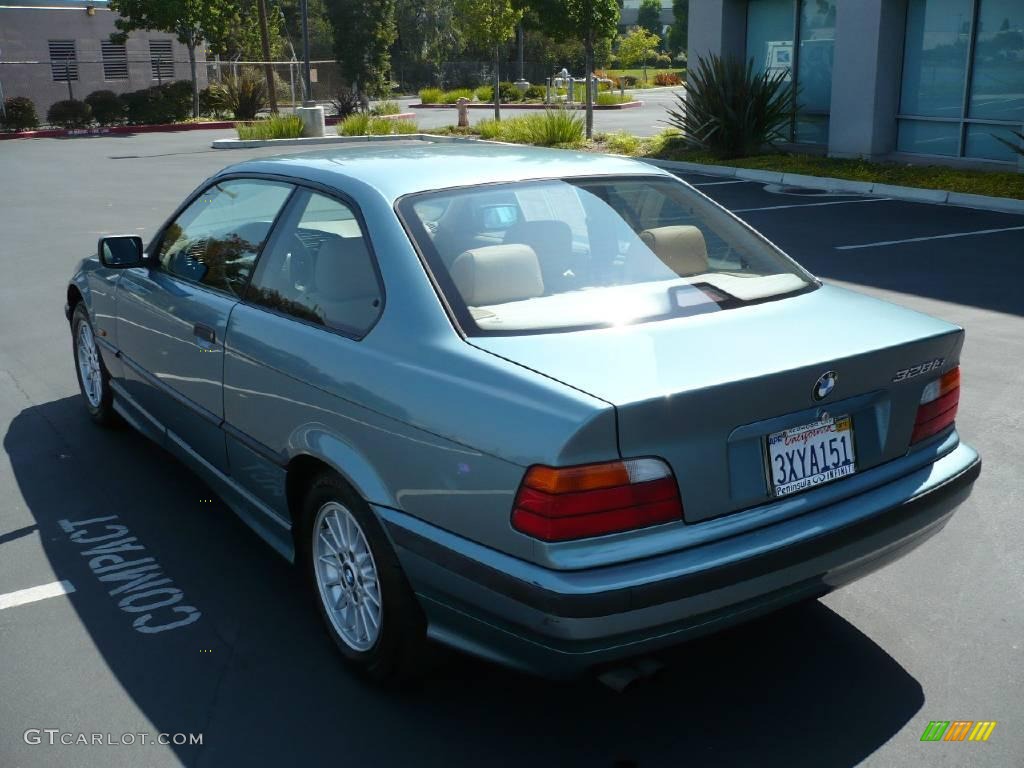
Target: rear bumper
561 622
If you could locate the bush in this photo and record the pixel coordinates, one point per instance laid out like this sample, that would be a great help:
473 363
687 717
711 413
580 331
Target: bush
484 93
147 106
732 111
243 96
508 92
210 102
19 114
357 124
450 97
552 128
404 126
431 95
663 61
179 100
622 143
158 104
610 99
107 107
626 81
603 86
346 102
536 93
362 124
386 108
69 113
276 127
667 78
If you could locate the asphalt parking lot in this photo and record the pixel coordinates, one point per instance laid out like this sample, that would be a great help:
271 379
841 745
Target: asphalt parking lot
851 679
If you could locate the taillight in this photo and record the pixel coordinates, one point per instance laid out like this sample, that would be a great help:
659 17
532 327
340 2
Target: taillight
939 402
561 503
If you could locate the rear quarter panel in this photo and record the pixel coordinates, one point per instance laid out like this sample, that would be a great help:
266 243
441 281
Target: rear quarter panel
417 419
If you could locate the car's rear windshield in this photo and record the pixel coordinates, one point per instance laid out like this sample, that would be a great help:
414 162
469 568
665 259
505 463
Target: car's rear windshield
558 255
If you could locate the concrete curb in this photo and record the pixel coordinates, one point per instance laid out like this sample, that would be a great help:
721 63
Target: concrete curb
426 138
830 184
533 106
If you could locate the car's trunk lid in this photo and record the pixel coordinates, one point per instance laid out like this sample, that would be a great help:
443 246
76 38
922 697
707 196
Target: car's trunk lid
704 392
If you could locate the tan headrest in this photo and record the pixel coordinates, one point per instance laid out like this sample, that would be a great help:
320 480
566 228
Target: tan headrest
497 274
681 247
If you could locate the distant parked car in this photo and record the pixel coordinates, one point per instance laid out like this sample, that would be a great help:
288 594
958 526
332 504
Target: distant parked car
553 409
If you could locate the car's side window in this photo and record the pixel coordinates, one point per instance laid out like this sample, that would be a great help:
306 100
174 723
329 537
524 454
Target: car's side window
216 239
319 268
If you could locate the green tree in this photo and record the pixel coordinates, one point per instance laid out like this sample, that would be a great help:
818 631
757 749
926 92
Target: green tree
428 34
321 35
192 21
587 21
488 23
244 39
649 16
680 26
363 35
638 46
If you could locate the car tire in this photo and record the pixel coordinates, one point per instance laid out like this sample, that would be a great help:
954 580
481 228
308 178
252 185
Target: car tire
93 376
364 599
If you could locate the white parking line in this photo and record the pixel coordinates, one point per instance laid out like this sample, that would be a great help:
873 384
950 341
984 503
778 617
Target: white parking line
881 243
720 183
813 205
32 594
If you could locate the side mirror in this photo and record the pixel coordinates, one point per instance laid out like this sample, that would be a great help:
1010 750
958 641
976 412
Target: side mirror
120 251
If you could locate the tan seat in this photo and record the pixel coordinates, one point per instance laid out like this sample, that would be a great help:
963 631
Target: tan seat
552 242
497 274
681 248
347 294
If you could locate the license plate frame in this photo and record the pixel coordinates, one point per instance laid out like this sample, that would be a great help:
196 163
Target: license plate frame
811 437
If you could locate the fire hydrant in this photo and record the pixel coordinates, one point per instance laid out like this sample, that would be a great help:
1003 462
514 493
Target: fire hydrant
463 105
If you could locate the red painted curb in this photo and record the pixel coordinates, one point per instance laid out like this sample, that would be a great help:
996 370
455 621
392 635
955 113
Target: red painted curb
56 133
105 130
514 105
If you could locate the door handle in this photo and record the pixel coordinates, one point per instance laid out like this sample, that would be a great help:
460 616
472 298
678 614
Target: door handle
204 333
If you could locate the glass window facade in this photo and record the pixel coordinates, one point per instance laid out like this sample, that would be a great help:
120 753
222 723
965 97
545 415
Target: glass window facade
772 26
963 78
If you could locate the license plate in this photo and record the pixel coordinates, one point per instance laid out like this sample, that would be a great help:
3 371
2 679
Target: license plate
810 455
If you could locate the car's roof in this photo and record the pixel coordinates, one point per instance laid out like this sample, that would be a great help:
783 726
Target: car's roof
400 168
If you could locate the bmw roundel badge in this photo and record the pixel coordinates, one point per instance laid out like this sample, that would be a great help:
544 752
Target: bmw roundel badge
825 384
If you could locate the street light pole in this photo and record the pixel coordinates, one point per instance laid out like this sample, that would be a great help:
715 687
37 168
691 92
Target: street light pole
305 53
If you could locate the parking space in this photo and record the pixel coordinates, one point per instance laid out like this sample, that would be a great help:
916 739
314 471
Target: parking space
853 678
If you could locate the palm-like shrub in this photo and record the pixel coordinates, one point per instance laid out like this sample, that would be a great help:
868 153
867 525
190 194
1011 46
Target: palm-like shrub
732 111
346 102
244 96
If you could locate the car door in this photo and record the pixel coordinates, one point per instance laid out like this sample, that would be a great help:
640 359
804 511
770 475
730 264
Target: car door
296 337
172 315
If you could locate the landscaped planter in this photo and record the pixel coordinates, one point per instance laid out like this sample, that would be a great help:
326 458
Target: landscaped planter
50 133
517 105
53 133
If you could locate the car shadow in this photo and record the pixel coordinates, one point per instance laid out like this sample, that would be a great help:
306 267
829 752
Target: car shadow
258 677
